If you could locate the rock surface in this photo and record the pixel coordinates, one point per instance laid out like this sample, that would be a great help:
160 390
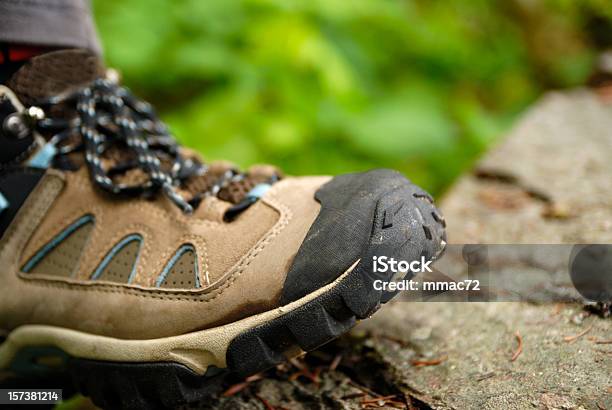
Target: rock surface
548 182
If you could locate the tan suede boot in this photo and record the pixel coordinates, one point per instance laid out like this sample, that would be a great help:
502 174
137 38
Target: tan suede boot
148 274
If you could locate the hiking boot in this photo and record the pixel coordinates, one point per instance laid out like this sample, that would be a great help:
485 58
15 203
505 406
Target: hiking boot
147 274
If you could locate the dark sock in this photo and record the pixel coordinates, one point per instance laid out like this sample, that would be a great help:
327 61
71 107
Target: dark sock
12 57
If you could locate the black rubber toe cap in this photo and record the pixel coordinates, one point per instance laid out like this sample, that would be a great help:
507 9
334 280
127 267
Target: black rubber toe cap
378 212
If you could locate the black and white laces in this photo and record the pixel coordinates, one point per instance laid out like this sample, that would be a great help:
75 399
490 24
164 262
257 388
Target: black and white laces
108 115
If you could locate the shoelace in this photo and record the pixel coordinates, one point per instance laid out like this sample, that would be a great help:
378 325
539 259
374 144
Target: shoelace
109 115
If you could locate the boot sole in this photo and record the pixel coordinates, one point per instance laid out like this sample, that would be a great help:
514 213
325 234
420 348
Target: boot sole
166 372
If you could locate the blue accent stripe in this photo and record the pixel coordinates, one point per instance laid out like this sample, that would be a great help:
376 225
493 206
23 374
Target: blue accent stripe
44 156
34 260
182 250
4 203
259 190
116 249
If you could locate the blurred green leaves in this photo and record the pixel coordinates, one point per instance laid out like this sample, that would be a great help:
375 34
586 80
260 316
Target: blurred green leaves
329 86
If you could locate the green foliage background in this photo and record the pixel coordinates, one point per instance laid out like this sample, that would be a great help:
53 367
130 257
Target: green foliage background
330 86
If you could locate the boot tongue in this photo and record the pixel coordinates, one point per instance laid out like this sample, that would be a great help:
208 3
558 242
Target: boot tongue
54 73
